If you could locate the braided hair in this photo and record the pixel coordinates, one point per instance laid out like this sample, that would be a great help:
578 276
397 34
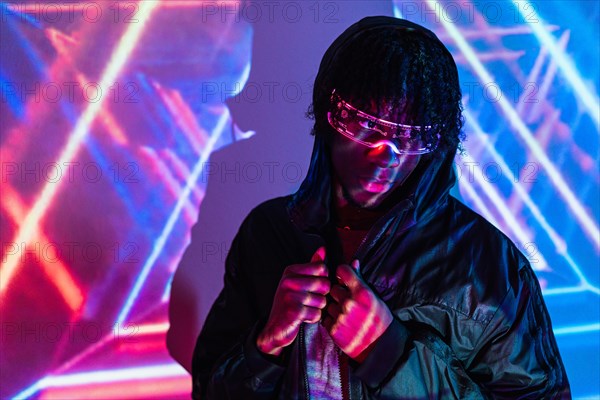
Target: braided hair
408 68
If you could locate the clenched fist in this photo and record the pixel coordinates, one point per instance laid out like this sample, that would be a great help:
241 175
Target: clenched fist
357 317
300 297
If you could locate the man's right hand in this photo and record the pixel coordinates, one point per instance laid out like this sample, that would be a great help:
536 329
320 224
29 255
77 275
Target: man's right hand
300 297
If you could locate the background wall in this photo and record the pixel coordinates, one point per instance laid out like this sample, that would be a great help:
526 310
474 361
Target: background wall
125 131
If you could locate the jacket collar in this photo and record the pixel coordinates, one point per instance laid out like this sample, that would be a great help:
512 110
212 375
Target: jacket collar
425 192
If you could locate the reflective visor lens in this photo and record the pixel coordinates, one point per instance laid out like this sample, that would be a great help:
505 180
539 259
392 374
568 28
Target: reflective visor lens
371 131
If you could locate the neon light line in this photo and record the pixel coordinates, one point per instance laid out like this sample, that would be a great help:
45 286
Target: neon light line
37 386
564 290
534 73
501 206
495 32
14 9
56 270
565 63
163 388
536 108
505 55
182 171
478 202
11 99
162 238
557 240
171 183
167 292
190 184
183 117
115 375
585 220
570 330
44 200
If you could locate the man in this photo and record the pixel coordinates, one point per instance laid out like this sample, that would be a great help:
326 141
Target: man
371 281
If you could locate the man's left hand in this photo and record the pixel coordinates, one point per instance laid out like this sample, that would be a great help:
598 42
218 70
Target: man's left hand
356 317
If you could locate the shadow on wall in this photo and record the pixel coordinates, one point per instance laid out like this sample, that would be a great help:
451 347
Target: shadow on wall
288 44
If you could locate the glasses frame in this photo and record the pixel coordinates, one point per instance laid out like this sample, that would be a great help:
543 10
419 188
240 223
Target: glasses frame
341 128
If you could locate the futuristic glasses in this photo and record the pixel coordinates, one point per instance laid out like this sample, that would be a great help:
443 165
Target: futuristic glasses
373 132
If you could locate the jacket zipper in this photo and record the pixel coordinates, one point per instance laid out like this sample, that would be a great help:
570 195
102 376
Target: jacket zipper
303 361
345 396
341 370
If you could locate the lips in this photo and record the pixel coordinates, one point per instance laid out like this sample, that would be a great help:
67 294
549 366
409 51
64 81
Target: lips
375 185
382 180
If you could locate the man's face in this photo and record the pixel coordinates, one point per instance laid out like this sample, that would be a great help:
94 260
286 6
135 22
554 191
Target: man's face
366 176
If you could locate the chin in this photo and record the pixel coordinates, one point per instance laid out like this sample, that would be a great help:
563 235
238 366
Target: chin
366 199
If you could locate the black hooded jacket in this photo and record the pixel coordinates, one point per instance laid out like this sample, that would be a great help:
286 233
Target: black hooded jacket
469 317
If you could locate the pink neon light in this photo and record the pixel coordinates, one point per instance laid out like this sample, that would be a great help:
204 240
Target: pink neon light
173 186
517 124
30 224
56 271
171 387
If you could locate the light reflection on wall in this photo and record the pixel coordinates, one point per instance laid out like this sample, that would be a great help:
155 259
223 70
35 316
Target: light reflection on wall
104 147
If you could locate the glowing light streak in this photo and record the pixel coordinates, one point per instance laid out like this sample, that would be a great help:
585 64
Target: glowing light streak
570 330
39 385
26 46
565 63
17 10
586 221
496 32
505 212
115 375
184 117
162 238
113 128
166 388
195 3
11 98
61 43
167 292
492 56
173 187
56 270
534 73
536 108
117 61
478 202
190 183
182 171
569 290
36 8
152 329
557 240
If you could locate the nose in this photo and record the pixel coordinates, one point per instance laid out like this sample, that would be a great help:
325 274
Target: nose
384 155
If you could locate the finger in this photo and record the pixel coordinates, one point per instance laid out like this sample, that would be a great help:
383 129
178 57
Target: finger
349 277
328 322
313 269
313 300
319 255
303 284
339 293
355 264
310 314
334 310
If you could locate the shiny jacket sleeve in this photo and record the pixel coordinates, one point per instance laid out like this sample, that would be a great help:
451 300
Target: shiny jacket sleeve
516 357
411 360
226 362
517 354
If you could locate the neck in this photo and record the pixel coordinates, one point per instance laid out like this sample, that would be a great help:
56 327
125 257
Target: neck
347 214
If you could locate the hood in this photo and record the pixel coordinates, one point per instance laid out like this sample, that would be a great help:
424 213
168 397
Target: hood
427 187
